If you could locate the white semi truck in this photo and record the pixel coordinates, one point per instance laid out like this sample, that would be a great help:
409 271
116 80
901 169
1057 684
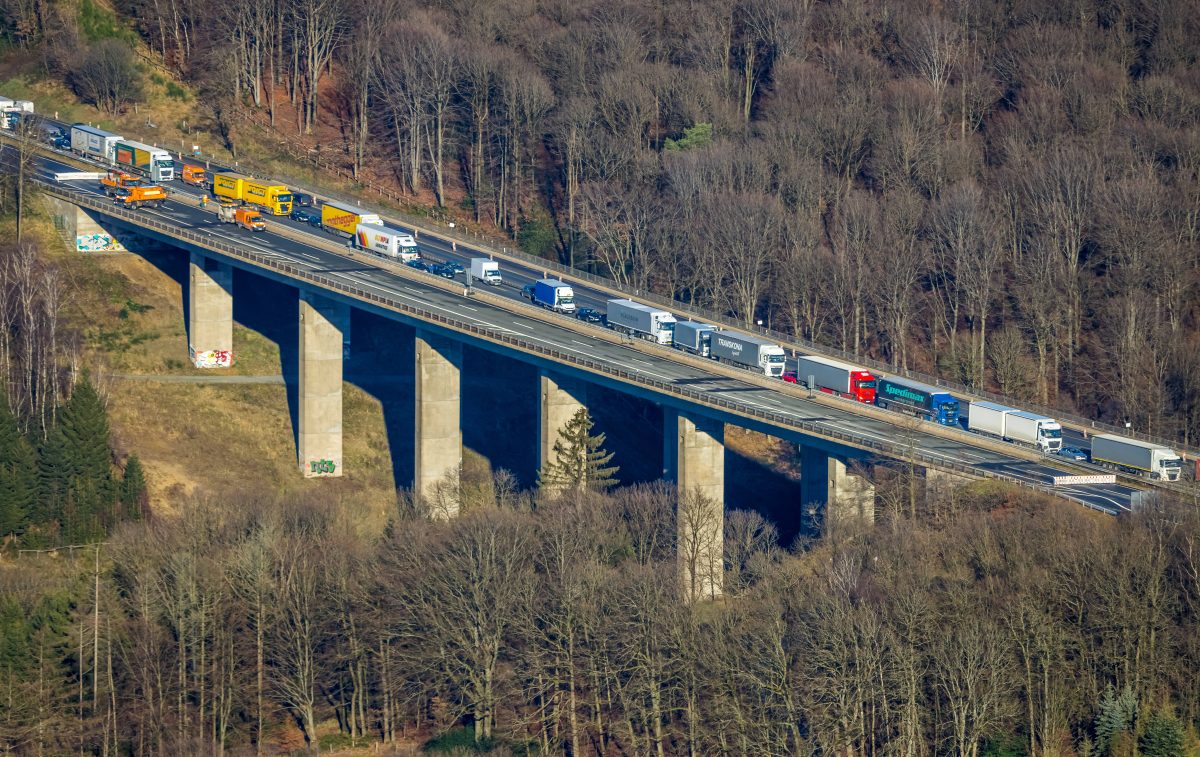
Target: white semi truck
487 271
1140 458
386 241
629 317
91 142
748 352
694 337
1013 425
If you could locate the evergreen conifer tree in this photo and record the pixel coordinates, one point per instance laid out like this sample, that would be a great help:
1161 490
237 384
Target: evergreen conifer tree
1164 737
133 489
1117 716
580 461
18 474
75 481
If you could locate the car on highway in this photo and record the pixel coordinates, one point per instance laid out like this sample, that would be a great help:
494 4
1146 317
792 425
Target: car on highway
1072 453
589 315
444 270
455 266
306 215
304 199
418 264
527 292
790 377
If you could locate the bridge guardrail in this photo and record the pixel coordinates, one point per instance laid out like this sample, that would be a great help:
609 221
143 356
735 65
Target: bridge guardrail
793 341
862 442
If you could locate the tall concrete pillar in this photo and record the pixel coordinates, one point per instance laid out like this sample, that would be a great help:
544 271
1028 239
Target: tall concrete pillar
322 322
560 398
827 481
210 312
694 456
438 418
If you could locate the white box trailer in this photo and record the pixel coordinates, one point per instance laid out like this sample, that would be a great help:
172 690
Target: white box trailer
94 143
748 352
1141 458
385 241
629 317
487 271
1013 425
694 337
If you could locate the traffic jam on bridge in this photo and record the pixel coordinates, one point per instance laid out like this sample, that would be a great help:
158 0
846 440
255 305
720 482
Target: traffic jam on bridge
136 175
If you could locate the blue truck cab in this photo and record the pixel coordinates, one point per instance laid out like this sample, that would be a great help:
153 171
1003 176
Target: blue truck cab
919 399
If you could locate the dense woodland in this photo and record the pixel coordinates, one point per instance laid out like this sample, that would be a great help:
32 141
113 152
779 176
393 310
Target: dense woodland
58 478
1006 192
556 628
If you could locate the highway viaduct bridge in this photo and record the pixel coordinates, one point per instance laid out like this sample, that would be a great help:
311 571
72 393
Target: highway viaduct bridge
838 440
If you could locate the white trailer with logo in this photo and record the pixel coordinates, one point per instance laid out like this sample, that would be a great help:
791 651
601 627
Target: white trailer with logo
748 352
385 241
1141 458
94 143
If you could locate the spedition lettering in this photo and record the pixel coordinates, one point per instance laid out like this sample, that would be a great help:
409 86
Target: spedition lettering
908 394
342 219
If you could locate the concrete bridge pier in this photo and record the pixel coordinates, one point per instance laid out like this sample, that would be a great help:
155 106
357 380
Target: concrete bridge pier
323 324
831 481
694 457
560 397
210 312
438 421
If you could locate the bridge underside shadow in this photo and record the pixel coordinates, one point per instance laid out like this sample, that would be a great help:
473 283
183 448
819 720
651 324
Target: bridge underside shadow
269 308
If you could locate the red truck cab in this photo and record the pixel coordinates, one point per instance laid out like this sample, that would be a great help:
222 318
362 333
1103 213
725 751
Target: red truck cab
862 386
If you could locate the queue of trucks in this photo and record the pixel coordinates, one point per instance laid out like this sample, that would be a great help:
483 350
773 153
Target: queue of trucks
366 231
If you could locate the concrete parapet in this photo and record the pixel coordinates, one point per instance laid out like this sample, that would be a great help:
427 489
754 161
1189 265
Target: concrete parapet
210 312
694 456
828 481
322 325
438 419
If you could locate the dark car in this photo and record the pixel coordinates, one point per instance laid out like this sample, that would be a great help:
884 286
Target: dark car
455 266
418 264
306 215
307 200
527 292
442 269
589 315
59 141
1072 453
790 377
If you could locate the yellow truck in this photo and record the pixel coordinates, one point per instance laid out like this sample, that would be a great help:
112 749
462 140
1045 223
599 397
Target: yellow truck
337 218
271 198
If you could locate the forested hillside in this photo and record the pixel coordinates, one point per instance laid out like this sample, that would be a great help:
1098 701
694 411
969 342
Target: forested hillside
246 625
1004 192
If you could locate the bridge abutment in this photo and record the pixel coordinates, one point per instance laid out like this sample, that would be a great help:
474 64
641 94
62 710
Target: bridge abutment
210 312
323 324
830 481
438 420
694 457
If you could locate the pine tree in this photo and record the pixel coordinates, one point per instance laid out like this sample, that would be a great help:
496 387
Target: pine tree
1117 716
133 489
1163 737
18 474
75 480
580 461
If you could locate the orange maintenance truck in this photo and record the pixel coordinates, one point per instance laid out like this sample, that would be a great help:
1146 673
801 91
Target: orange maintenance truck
114 180
137 197
247 218
194 175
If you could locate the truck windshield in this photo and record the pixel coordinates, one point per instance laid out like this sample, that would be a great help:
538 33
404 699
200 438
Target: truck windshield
1052 433
668 327
165 164
1172 463
283 199
866 384
775 358
568 300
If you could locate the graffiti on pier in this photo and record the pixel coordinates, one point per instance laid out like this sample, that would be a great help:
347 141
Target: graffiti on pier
212 358
98 243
